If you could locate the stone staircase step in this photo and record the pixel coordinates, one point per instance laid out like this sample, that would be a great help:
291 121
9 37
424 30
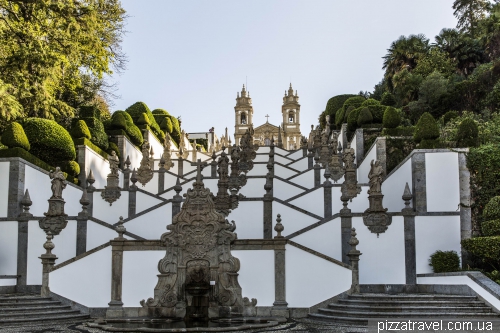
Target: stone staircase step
404 314
341 320
34 308
49 318
413 297
410 309
33 303
409 303
21 299
43 313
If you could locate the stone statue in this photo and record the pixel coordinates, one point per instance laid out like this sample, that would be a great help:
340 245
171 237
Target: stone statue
348 157
58 183
375 175
145 172
113 163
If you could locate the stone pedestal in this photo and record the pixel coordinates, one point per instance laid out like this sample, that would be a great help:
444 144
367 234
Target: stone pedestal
55 219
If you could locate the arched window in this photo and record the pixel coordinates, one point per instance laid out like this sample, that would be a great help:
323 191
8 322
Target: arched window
267 141
243 118
291 117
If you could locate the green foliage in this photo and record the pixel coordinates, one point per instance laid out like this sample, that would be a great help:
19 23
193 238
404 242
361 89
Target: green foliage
347 111
492 209
377 112
352 119
429 144
334 104
388 99
392 118
176 131
444 261
467 134
143 120
400 131
486 248
118 121
370 101
92 117
136 110
113 147
426 129
49 141
166 125
133 132
10 108
491 227
14 136
70 167
355 102
364 117
55 53
435 60
449 116
469 13
433 90
89 111
397 150
339 117
80 130
88 143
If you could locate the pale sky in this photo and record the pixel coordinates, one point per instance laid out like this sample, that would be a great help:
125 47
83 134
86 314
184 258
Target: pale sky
191 57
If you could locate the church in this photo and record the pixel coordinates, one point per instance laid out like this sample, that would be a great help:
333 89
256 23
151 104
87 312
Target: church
289 128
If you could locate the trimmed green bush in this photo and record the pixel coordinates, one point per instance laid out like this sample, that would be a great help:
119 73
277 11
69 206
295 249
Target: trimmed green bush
166 125
118 121
347 112
486 248
88 143
352 119
143 120
92 117
339 117
80 130
428 144
70 167
491 227
492 209
49 141
399 131
176 129
426 129
159 115
355 102
392 118
89 111
449 116
467 133
113 147
364 117
377 111
136 110
445 261
370 101
132 131
334 104
14 136
388 99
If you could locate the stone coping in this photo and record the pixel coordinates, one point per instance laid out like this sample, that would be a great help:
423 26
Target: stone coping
320 255
157 245
482 280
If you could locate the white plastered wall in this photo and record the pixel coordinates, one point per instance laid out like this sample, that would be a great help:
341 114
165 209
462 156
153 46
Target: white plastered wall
86 281
304 289
248 218
283 191
98 234
383 257
8 248
281 159
258 170
291 219
254 188
103 211
38 184
65 248
133 153
99 166
296 155
261 158
306 179
283 172
152 224
312 202
326 239
156 145
358 205
140 270
393 187
144 201
256 275
433 233
4 189
151 186
442 182
364 168
300 165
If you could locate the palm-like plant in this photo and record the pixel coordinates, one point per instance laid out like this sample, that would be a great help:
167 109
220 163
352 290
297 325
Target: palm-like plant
404 53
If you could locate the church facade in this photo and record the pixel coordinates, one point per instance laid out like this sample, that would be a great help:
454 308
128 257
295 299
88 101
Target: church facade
289 129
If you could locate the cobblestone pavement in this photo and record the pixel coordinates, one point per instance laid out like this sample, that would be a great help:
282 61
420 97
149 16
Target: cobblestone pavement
294 326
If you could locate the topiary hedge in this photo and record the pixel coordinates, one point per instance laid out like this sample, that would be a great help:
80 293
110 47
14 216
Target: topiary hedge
352 119
132 131
391 118
426 128
14 136
143 120
113 147
444 261
399 131
364 117
370 101
334 104
118 121
449 116
377 111
491 227
70 167
492 209
355 102
49 141
92 117
136 110
80 130
388 99
486 248
467 133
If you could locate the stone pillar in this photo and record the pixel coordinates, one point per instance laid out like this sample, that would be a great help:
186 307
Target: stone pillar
161 179
126 174
180 167
359 144
81 152
177 199
354 259
327 196
465 202
81 225
132 195
280 305
310 159
120 143
419 183
317 171
48 261
345 229
409 228
268 207
16 187
344 135
381 153
90 192
22 240
115 309
213 166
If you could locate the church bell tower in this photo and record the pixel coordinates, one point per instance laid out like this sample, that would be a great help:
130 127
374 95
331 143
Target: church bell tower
291 120
243 113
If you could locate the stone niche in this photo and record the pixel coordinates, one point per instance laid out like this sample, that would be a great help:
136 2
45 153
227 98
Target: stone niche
198 276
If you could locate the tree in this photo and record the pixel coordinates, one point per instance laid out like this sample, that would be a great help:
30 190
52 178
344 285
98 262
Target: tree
53 51
469 13
404 53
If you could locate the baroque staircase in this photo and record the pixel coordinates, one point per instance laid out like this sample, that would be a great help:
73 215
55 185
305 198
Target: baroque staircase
358 309
32 308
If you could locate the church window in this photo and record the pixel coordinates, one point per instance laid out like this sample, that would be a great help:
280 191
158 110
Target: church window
267 142
243 118
291 117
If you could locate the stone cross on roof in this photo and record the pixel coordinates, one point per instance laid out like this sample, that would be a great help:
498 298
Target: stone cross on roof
199 167
267 118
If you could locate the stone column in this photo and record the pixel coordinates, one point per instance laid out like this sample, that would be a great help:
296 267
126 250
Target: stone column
327 196
177 199
268 207
354 259
120 143
213 166
280 305
16 187
465 202
344 135
115 309
22 240
132 195
359 144
410 249
81 225
90 192
48 261
381 153
180 167
346 228
419 183
310 158
161 179
81 153
317 171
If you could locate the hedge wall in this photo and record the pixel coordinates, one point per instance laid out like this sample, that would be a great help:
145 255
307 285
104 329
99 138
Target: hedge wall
136 110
